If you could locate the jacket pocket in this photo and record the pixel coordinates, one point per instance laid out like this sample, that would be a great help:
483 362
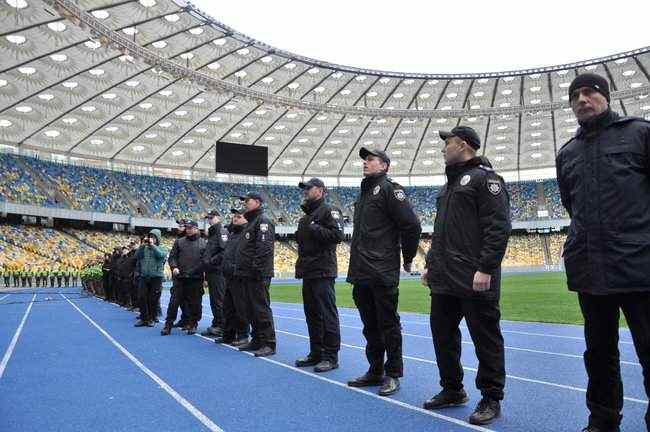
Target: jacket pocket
627 261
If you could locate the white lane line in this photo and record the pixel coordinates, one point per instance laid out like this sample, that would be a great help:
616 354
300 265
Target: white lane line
180 399
465 328
423 360
514 377
551 353
14 340
4 297
364 392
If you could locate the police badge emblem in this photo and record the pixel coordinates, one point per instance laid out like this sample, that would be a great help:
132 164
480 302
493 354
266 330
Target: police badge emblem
335 214
400 195
248 236
375 191
264 227
465 180
494 186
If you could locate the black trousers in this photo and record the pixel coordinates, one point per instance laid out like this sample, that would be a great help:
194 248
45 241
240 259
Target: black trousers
216 289
149 293
377 304
483 321
52 281
605 388
135 292
184 305
258 311
235 324
319 302
124 291
6 278
189 291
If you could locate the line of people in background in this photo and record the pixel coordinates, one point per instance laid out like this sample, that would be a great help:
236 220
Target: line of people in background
35 277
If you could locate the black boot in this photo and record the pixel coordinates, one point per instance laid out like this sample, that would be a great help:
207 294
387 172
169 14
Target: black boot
446 398
265 351
309 360
325 366
166 330
250 346
367 380
390 386
486 411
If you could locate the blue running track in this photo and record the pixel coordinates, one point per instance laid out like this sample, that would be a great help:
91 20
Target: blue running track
76 363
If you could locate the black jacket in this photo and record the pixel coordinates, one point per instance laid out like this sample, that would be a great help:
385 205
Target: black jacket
217 238
604 179
471 230
383 220
255 255
229 256
319 231
187 256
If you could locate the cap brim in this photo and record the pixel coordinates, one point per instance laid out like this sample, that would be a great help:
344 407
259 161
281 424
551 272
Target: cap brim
364 153
305 185
445 135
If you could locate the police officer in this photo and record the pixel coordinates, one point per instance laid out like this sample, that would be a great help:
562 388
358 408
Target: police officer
52 276
604 179
319 231
463 272
255 268
236 328
182 322
186 262
384 223
217 238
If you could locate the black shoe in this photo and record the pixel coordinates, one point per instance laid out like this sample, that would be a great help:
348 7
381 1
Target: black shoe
325 366
156 320
446 398
179 324
309 360
140 323
597 429
211 332
390 386
239 342
149 324
265 351
366 380
166 330
191 330
249 346
486 411
223 340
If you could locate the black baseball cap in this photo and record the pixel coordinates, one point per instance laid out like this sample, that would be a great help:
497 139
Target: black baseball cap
191 223
212 213
365 152
312 182
465 133
237 211
250 195
180 222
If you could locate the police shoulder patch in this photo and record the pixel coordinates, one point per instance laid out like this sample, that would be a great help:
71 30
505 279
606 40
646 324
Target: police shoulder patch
399 194
224 237
376 190
248 236
494 186
264 227
464 181
336 214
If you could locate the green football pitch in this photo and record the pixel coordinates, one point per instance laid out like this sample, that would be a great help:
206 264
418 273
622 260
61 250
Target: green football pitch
540 297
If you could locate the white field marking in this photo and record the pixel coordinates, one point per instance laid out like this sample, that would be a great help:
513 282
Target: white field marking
177 397
426 323
364 392
4 297
551 353
471 369
14 340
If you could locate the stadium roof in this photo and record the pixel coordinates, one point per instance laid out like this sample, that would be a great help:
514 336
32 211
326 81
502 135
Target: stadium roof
156 82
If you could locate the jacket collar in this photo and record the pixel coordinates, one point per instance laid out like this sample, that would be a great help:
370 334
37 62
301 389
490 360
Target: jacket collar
192 237
600 122
214 230
250 215
236 228
456 170
310 206
371 180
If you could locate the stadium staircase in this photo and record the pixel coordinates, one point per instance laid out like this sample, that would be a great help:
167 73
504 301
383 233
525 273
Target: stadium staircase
547 250
80 240
138 206
203 202
45 184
